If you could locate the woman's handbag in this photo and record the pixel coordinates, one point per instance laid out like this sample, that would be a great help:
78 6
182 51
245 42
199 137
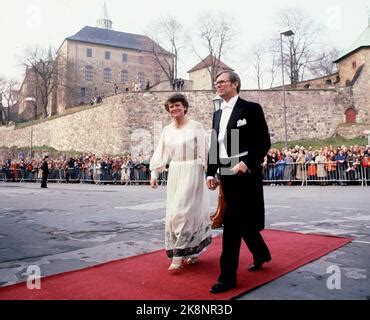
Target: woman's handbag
217 218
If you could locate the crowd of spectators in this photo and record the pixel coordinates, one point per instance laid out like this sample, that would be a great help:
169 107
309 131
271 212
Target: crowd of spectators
328 164
83 169
334 165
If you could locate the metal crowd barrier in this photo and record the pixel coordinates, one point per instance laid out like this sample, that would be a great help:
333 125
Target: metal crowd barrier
310 173
329 173
73 175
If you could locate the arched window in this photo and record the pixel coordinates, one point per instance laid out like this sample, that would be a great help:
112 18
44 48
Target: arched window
107 75
307 86
328 82
350 115
89 73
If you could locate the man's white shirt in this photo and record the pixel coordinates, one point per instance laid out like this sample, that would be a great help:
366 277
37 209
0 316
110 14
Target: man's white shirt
227 109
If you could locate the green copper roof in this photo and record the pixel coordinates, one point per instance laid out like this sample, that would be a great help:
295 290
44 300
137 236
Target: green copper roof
362 41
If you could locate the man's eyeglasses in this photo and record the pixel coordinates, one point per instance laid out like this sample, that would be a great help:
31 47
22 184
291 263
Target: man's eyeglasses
221 82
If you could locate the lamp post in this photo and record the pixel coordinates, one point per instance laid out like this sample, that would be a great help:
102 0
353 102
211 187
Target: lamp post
33 101
217 100
287 33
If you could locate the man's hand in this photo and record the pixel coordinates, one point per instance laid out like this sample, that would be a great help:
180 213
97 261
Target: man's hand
240 168
154 183
211 183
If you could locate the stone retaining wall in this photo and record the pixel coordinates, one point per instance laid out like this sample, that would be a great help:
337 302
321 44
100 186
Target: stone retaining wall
133 121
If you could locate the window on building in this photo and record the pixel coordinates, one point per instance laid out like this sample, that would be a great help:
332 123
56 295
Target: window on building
124 76
107 55
107 75
307 86
350 115
89 52
354 64
141 79
88 73
141 59
124 57
83 92
328 82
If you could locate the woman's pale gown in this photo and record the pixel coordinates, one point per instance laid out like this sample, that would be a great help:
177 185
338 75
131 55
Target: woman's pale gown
187 229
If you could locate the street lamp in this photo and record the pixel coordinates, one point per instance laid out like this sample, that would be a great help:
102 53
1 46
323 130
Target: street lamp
33 100
287 33
217 101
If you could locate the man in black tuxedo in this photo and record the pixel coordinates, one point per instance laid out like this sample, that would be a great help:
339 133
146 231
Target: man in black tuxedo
45 172
239 142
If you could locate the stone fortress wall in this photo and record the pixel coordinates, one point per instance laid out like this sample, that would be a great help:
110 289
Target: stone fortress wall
133 121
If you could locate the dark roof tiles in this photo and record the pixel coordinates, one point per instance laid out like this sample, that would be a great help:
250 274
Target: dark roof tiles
116 39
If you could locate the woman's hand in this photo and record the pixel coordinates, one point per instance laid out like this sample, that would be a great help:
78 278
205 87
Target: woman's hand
154 183
211 183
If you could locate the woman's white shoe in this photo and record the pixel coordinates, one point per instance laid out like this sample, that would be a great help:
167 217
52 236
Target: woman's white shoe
176 264
192 260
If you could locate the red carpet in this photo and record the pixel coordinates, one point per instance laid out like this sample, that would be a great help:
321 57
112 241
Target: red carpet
145 277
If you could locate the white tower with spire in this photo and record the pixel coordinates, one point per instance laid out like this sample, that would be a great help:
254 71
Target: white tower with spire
104 21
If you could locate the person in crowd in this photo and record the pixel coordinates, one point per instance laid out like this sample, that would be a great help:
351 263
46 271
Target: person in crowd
365 163
289 168
301 173
271 165
45 172
341 160
320 161
188 223
239 164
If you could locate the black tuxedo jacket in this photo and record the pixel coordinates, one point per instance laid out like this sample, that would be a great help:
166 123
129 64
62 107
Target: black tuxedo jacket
243 193
247 120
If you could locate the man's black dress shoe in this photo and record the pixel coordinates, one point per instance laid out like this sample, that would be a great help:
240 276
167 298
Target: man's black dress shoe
257 265
219 287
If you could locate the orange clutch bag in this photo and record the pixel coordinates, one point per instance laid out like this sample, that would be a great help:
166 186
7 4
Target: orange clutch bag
217 218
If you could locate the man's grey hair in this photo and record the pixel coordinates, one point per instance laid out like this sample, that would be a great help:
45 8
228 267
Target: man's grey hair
233 77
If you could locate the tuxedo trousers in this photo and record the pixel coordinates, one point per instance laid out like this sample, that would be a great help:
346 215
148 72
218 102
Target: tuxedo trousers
238 226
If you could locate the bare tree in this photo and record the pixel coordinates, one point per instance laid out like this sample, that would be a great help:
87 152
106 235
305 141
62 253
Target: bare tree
216 34
264 64
7 91
168 33
324 63
298 50
42 69
273 70
257 65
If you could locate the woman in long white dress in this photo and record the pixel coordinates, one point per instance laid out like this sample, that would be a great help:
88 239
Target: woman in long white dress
183 143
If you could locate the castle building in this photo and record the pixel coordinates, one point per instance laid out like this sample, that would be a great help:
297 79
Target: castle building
200 74
316 109
100 61
353 76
